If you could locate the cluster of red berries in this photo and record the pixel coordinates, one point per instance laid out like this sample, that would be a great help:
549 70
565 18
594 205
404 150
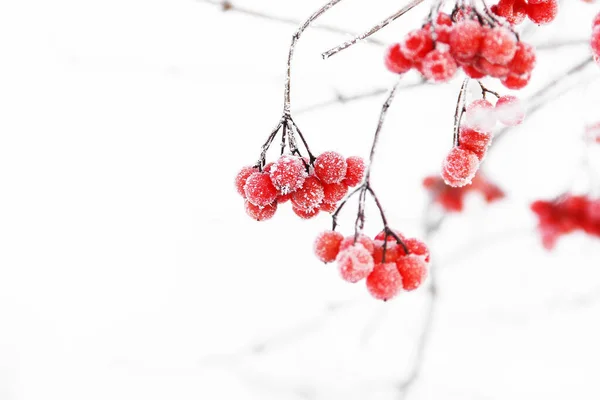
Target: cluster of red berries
475 136
566 215
311 188
595 42
538 11
383 261
451 199
464 40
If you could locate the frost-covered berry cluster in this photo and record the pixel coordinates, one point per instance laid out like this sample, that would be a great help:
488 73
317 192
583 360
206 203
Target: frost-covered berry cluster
475 134
452 199
595 41
476 42
516 11
565 215
310 187
390 263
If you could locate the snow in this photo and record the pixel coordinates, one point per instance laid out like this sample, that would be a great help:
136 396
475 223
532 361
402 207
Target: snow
129 269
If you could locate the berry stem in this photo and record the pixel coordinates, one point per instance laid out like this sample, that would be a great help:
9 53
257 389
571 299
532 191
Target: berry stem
265 147
460 110
295 37
373 30
485 90
311 157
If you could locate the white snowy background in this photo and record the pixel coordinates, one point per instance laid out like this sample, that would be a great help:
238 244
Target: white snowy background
129 270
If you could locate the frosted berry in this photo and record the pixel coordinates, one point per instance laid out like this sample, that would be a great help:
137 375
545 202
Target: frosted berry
480 116
438 66
260 213
364 240
524 59
310 195
355 170
288 174
395 61
327 245
328 207
542 12
499 45
513 10
510 111
443 27
305 214
240 179
283 198
515 82
596 21
354 263
417 44
595 42
330 167
384 282
465 39
474 141
473 72
334 192
390 238
393 251
459 167
495 70
259 189
418 248
413 271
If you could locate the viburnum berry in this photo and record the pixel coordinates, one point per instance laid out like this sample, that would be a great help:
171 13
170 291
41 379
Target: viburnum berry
413 271
395 61
417 44
330 167
240 179
515 82
542 12
473 72
510 111
327 245
459 167
259 189
305 213
524 60
385 281
334 192
514 11
494 70
474 141
310 195
390 238
480 116
283 198
354 263
288 174
364 240
596 21
438 66
260 213
393 251
328 207
499 45
418 248
355 171
465 39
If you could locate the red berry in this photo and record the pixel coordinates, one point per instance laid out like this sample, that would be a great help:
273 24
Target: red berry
413 271
513 10
354 263
395 61
310 195
390 238
595 42
355 171
510 111
499 45
443 27
524 60
459 167
334 192
260 190
438 66
596 21
240 179
474 141
465 39
364 240
288 174
542 13
416 247
417 44
330 167
327 245
473 72
328 207
260 213
393 251
516 82
495 70
305 214
282 198
451 200
480 116
385 281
